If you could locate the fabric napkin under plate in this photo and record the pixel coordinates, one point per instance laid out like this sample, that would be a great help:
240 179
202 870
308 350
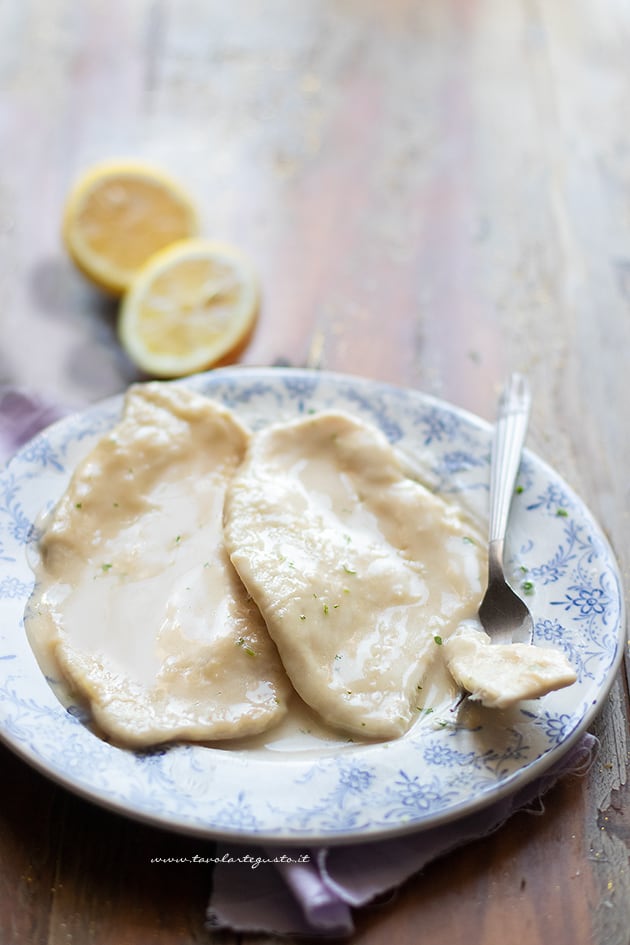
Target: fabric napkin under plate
22 415
288 891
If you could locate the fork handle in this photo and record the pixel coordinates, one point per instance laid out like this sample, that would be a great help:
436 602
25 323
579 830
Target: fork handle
507 446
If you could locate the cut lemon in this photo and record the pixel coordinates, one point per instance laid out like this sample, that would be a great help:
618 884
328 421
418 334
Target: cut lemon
118 214
190 306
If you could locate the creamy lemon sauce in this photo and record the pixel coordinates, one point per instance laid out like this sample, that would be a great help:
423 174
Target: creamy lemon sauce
136 601
279 592
359 572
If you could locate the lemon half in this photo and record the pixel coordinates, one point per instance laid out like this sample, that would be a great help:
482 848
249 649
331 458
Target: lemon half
189 307
118 214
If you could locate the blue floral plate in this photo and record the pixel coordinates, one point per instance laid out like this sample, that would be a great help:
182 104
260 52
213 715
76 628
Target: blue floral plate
324 791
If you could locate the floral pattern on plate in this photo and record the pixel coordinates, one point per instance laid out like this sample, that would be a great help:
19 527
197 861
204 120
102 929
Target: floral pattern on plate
450 762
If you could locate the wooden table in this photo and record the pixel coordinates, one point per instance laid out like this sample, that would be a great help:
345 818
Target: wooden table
435 193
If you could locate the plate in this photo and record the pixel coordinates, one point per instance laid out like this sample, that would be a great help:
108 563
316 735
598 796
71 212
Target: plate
450 763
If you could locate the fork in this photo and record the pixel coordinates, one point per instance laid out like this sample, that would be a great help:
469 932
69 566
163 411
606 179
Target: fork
503 615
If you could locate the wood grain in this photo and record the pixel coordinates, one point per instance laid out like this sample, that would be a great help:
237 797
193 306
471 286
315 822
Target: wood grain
435 193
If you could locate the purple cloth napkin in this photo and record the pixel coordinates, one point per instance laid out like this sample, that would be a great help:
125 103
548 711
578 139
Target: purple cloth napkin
22 415
287 891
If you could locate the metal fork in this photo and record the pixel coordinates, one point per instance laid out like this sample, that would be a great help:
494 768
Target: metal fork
503 615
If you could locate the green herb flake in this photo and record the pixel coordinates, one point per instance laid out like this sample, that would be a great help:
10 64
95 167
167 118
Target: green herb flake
325 609
107 567
562 513
349 570
246 649
520 490
302 616
78 505
527 587
438 640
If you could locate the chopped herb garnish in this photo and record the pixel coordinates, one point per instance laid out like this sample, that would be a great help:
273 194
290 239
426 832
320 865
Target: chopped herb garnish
349 570
437 640
528 587
562 513
302 616
107 567
325 609
246 649
78 505
519 490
